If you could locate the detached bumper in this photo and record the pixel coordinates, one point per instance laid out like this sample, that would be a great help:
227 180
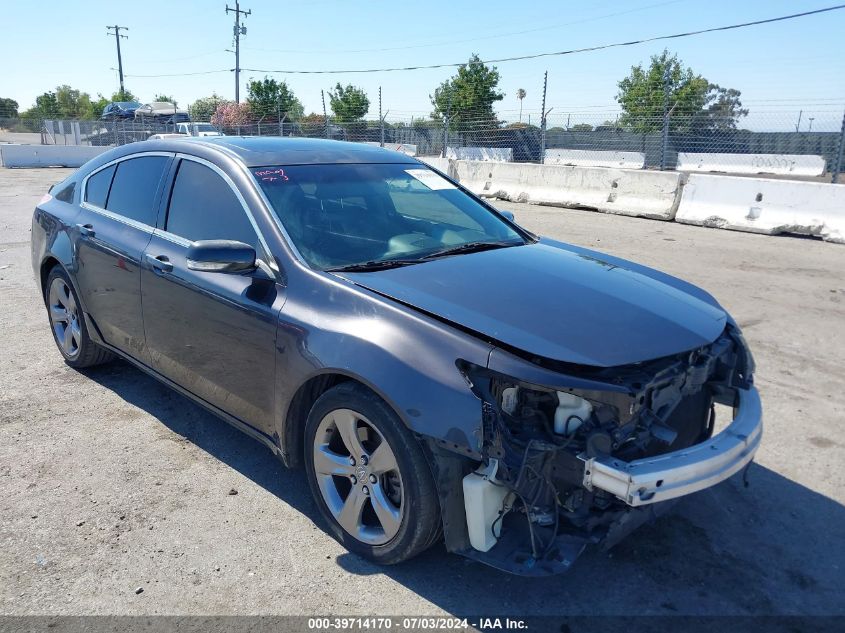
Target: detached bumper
680 473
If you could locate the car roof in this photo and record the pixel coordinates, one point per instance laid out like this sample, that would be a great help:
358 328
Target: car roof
258 151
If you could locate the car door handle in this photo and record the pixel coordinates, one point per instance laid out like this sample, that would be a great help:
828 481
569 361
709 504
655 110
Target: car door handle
86 229
159 263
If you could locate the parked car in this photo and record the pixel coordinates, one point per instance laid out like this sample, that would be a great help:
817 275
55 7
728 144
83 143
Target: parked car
161 135
120 110
161 112
439 371
198 128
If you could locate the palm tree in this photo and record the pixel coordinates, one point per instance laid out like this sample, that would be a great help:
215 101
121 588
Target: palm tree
520 94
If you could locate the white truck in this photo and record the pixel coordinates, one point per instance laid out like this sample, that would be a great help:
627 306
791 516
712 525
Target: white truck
198 128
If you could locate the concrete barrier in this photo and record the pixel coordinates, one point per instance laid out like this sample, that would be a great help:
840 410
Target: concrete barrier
403 148
48 155
784 164
597 158
650 194
760 205
486 154
442 164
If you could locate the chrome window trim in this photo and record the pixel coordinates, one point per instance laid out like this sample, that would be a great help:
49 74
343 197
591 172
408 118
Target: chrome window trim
263 242
111 214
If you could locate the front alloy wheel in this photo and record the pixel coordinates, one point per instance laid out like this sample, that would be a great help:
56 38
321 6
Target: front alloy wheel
358 476
369 476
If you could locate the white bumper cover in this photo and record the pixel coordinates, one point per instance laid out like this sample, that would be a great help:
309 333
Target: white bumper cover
671 475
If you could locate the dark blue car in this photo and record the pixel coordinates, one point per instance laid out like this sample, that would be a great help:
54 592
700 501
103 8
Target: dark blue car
120 110
439 371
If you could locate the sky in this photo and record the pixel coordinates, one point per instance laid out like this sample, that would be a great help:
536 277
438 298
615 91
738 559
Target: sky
782 69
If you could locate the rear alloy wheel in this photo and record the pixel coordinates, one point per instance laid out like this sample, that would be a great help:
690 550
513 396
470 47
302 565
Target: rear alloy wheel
68 323
65 318
369 476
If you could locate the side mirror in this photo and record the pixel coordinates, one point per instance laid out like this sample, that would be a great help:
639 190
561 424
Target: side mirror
222 256
506 214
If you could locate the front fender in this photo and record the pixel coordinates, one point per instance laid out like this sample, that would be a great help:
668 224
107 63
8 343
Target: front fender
407 358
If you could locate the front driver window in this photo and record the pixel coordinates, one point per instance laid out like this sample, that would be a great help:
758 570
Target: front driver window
204 207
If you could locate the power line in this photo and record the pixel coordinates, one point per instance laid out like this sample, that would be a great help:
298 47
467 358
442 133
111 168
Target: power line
464 41
199 72
558 53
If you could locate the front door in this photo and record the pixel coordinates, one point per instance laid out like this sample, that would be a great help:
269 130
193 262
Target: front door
212 333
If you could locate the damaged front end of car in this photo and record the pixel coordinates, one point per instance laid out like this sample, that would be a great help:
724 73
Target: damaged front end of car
578 455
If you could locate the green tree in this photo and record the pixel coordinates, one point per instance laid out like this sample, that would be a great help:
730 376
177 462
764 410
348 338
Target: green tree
73 104
582 127
468 97
695 104
349 103
8 108
270 98
164 97
204 108
46 107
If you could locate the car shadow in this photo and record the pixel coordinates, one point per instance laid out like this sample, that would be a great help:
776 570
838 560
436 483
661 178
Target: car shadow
774 547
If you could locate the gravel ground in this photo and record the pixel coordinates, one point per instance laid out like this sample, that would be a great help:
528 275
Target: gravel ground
110 482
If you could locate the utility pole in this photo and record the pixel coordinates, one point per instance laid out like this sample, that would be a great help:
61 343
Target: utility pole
446 122
838 164
117 36
667 79
325 115
238 30
543 114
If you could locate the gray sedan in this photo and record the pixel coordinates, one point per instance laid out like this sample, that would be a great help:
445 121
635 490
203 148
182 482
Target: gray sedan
439 371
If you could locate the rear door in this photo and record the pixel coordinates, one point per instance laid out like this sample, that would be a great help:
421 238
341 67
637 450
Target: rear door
213 333
118 217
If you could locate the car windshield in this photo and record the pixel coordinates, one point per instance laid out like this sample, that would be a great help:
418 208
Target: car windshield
205 127
372 216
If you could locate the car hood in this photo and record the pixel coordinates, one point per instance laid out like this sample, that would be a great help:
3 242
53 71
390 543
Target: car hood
559 302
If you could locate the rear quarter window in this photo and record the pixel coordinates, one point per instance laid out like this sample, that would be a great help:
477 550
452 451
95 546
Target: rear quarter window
65 191
97 189
134 188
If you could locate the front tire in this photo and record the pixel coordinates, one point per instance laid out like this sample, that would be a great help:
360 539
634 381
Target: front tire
68 324
369 476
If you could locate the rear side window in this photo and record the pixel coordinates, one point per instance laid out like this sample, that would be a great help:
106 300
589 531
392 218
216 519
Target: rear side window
97 189
65 193
204 207
133 191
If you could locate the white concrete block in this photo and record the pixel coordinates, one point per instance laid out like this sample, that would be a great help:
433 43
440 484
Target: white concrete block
594 158
650 194
760 205
403 148
785 164
487 154
48 155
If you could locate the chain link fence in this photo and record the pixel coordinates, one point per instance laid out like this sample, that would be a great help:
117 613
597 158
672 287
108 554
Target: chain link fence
764 141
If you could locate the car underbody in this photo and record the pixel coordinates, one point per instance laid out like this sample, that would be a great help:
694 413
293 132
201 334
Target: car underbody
564 467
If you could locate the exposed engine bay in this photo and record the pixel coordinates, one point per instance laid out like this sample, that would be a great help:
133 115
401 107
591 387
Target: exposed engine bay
529 506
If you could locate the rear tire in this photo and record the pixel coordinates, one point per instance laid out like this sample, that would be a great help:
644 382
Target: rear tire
68 323
369 476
